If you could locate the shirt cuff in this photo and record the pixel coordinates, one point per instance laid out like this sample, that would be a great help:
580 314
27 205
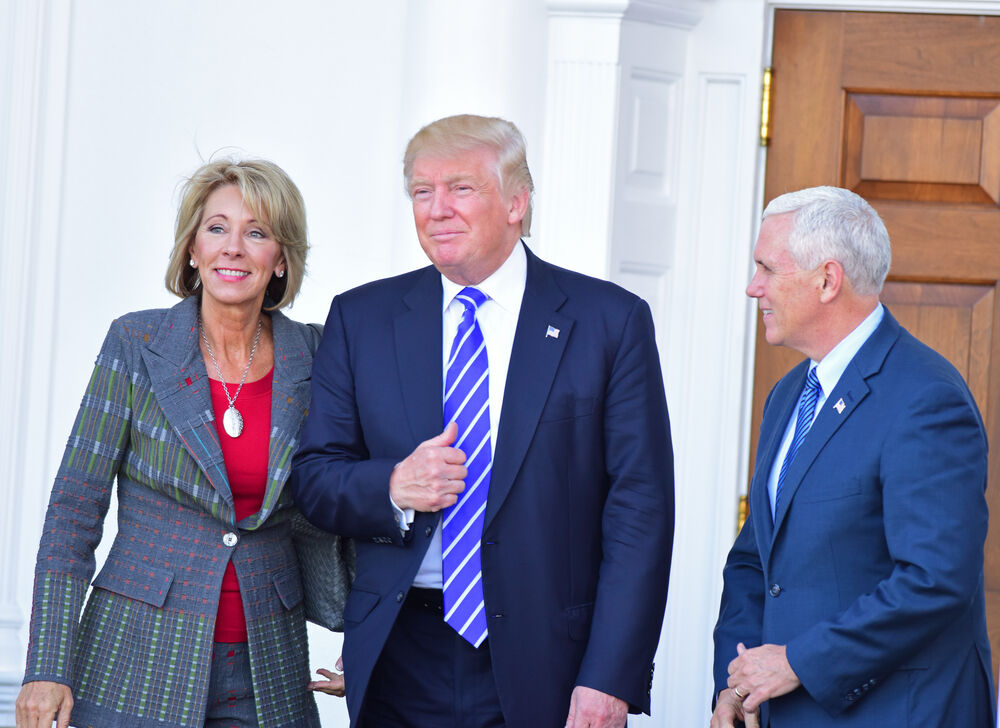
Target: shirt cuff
402 516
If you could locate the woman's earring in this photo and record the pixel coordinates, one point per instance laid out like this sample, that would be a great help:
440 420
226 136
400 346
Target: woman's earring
192 263
280 273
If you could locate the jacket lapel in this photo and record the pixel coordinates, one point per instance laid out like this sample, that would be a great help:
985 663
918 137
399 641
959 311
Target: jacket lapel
760 499
289 405
417 332
848 394
534 360
180 384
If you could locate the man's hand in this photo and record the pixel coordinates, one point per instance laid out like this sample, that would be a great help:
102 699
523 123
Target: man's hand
589 708
432 476
334 683
760 674
41 702
729 710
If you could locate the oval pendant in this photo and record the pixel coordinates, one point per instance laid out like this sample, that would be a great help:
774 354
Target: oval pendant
232 422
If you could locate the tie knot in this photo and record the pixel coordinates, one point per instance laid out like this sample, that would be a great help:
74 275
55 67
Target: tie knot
812 381
471 298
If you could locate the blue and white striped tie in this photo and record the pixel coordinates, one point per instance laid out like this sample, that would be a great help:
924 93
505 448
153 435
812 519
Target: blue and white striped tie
803 422
467 402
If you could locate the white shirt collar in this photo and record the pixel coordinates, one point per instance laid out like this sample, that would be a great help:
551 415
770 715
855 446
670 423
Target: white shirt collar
505 286
832 367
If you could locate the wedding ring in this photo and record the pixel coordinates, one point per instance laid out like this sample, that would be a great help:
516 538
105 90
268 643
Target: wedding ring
738 694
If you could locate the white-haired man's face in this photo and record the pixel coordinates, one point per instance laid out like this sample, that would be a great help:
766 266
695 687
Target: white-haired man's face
787 295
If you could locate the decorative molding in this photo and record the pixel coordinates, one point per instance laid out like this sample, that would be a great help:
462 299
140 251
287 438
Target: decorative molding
961 7
38 64
581 120
683 14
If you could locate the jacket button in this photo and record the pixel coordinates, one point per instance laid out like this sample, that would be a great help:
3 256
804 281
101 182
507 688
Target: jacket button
400 596
230 539
775 590
429 530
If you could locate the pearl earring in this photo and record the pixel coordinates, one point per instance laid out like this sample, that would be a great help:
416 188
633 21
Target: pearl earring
279 273
192 263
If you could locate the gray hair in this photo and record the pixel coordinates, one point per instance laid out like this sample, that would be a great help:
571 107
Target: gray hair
832 223
453 135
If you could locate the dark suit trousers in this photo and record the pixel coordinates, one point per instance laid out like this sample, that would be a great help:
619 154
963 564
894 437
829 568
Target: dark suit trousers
429 677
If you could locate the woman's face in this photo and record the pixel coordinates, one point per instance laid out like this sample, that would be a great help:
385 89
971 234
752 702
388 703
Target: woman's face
235 253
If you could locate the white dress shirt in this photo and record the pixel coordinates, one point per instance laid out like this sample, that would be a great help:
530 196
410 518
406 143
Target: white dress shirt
498 320
828 372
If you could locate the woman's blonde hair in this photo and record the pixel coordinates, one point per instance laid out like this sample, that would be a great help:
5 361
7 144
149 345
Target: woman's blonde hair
272 197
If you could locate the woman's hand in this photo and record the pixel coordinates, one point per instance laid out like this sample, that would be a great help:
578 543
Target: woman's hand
333 685
41 702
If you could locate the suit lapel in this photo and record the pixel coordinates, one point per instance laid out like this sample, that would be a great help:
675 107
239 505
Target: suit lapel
534 360
760 499
417 332
180 384
838 408
289 404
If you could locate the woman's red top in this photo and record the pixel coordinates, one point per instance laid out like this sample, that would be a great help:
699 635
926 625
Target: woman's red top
246 467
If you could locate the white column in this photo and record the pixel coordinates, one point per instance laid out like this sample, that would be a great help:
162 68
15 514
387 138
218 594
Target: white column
464 57
35 52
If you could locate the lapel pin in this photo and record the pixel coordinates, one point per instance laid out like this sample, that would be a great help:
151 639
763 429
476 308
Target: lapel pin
840 406
553 332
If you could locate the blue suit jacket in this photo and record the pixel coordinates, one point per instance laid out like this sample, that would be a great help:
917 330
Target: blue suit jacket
872 571
579 521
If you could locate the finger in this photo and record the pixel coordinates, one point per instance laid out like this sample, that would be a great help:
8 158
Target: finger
340 663
327 674
740 648
447 437
453 456
752 720
64 712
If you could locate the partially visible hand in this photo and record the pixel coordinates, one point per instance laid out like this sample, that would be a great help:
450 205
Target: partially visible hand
761 673
589 708
729 709
432 476
41 702
334 683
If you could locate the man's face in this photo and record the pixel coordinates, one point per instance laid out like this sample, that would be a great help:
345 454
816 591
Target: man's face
788 296
467 226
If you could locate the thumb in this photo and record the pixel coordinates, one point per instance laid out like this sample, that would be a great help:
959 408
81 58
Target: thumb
340 664
741 648
445 438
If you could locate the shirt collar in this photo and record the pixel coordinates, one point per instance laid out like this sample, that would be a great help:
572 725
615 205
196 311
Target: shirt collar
830 369
505 286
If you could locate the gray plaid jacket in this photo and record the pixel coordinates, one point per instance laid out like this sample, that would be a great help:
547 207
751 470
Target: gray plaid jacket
140 655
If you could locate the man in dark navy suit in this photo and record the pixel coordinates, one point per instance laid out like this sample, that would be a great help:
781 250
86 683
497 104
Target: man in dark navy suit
854 593
492 430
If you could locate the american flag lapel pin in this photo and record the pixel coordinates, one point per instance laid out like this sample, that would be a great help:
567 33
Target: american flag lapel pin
553 332
840 406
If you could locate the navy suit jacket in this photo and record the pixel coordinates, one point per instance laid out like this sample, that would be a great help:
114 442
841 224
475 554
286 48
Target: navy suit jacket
579 521
872 570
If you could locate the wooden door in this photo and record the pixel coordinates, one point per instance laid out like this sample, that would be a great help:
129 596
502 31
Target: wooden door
905 111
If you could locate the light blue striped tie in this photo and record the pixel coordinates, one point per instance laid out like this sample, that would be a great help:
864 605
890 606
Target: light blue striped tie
803 421
467 402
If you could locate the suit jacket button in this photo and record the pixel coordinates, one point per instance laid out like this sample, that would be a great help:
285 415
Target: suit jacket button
429 530
775 590
400 596
230 539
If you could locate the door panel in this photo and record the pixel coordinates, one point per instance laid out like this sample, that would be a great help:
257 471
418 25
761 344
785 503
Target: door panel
904 110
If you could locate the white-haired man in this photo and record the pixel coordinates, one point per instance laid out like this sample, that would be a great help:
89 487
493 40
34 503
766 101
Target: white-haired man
854 593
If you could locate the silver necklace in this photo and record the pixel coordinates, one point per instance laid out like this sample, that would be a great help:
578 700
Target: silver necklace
232 420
